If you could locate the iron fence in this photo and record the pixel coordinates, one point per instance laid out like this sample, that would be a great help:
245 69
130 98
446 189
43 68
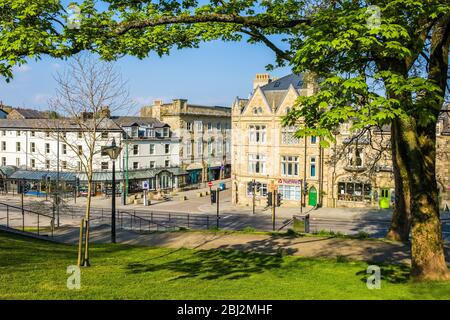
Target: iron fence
25 220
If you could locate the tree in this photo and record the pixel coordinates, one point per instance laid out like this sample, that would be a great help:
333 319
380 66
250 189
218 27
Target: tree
393 72
87 92
407 56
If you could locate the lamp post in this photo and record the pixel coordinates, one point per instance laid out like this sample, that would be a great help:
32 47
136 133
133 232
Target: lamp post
113 152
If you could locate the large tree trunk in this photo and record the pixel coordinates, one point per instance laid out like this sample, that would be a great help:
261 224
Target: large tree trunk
401 215
427 248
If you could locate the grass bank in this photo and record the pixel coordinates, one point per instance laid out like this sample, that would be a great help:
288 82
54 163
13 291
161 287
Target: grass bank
33 269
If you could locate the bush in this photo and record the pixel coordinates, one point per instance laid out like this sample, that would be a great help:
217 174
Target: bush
291 233
362 235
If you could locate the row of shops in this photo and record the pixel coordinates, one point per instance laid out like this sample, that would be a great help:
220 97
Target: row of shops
38 182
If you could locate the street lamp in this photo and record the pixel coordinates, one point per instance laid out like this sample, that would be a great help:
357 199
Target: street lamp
113 152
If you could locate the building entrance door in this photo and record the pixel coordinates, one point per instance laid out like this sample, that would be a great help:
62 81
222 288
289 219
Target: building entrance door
312 197
384 199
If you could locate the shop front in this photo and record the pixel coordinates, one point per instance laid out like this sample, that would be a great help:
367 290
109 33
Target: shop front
354 193
290 190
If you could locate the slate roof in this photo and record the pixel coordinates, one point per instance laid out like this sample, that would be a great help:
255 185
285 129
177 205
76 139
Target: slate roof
49 124
276 90
127 121
31 114
283 83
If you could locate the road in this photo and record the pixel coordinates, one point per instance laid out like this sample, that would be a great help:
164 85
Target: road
160 219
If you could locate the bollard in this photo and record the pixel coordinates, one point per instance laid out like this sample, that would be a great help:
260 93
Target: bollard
307 223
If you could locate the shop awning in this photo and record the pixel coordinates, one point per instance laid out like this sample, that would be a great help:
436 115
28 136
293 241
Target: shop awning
7 170
132 174
42 175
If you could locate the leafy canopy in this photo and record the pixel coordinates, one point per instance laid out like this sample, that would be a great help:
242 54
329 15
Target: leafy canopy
369 73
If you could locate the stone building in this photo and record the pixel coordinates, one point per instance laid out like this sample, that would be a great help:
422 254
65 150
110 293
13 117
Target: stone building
204 133
19 113
354 172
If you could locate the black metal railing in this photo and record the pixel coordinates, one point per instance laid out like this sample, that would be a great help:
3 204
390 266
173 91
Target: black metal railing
177 220
130 221
25 220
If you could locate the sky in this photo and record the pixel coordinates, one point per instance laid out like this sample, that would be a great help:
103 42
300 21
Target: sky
214 74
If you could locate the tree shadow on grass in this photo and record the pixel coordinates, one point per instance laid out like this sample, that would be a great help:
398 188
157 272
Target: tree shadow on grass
396 274
214 264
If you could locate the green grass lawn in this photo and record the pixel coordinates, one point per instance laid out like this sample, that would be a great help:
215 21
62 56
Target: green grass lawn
31 269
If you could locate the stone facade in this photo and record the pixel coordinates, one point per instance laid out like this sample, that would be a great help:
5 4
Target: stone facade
204 133
354 172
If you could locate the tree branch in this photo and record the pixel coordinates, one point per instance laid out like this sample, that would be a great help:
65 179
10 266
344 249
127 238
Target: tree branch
253 32
259 21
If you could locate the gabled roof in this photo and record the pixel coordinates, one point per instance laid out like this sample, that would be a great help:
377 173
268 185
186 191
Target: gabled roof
258 90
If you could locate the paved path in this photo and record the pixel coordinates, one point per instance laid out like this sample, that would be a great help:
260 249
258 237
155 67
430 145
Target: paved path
317 247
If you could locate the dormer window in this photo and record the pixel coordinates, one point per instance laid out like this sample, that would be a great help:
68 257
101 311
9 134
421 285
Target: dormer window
134 131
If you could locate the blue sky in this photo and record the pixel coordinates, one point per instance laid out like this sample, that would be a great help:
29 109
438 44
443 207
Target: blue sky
214 74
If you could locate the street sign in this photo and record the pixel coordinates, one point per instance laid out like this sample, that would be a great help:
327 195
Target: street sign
210 184
145 185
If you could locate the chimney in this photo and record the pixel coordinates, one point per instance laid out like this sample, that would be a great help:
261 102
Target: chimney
261 79
155 110
180 104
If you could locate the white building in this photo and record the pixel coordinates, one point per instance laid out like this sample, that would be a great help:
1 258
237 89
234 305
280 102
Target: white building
32 144
150 152
148 143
